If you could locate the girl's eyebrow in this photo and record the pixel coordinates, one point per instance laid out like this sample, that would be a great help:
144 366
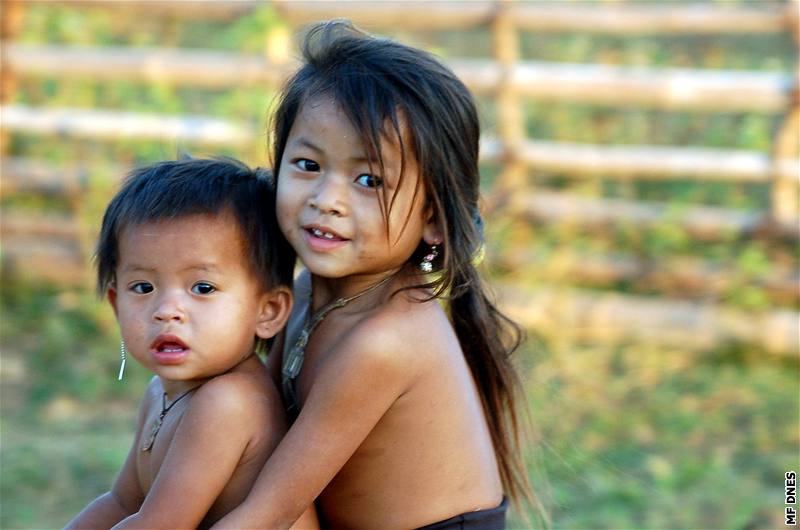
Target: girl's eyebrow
302 141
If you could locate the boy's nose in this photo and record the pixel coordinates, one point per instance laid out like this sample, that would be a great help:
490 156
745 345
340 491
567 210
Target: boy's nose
329 196
169 310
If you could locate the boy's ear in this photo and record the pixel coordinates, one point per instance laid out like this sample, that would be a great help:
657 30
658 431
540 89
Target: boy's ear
273 311
112 299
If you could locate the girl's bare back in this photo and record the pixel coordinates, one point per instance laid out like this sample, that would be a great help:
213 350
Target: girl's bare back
430 452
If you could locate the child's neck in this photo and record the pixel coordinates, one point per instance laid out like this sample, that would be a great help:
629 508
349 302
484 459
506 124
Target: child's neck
174 388
325 290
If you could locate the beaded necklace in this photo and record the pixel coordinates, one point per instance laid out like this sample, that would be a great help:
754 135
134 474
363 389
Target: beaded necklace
164 410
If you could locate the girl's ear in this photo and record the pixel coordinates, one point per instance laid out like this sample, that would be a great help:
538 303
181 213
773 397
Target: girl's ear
112 299
431 233
273 310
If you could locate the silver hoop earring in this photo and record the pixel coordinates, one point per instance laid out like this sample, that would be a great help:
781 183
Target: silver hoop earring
123 357
427 262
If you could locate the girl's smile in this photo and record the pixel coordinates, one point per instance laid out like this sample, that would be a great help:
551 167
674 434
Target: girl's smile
330 201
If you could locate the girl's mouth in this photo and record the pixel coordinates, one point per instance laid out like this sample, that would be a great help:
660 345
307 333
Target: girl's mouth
322 239
168 349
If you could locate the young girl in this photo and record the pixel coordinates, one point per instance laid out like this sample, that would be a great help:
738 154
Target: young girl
405 409
197 273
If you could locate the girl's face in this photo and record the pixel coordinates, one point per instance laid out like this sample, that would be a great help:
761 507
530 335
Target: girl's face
328 207
188 304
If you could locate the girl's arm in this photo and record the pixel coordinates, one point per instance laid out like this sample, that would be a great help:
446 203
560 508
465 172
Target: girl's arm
350 394
203 454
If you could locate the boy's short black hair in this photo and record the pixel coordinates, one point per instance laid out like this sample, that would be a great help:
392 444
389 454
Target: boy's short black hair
173 189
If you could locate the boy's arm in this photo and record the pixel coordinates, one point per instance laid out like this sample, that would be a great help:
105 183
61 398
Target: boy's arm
204 452
126 494
349 396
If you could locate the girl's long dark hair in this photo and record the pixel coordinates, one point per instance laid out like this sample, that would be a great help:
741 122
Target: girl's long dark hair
386 88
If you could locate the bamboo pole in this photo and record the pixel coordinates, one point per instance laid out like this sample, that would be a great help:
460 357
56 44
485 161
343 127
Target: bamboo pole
115 125
25 176
785 193
650 18
510 119
185 9
701 222
628 19
685 277
205 68
44 260
388 14
647 162
11 16
664 88
614 318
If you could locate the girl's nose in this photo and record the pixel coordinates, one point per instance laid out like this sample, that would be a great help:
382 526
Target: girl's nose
329 196
169 309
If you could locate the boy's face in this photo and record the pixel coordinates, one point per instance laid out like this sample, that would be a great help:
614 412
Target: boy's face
328 208
187 300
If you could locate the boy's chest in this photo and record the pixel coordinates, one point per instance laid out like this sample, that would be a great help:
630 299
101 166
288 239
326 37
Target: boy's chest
157 434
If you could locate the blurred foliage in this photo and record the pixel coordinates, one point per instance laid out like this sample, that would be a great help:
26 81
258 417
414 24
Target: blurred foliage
628 436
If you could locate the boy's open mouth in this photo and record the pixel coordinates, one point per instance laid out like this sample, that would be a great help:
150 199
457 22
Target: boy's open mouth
168 349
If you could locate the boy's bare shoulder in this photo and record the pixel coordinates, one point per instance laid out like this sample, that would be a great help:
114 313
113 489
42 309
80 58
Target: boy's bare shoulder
246 396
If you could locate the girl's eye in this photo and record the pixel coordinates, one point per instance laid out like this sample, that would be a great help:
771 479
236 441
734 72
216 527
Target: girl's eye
203 288
142 287
307 165
369 181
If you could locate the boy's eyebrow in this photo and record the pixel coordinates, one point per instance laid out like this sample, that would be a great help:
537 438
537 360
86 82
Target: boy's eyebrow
208 267
136 267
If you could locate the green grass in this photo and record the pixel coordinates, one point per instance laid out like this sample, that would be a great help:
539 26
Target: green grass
638 437
627 437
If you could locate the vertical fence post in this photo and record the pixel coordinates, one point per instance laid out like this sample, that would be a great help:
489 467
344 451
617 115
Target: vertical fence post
277 52
11 14
785 191
510 117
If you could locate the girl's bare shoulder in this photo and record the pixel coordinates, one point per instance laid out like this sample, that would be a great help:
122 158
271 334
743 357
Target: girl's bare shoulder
404 329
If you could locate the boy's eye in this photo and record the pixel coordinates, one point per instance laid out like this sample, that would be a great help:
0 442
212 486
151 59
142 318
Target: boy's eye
203 288
142 287
369 181
307 165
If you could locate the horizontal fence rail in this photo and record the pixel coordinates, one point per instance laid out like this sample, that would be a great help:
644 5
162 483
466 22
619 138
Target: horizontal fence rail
184 9
543 16
681 315
665 88
117 125
644 162
615 318
629 19
561 157
701 222
687 277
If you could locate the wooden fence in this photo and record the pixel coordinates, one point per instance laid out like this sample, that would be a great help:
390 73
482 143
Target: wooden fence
56 247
